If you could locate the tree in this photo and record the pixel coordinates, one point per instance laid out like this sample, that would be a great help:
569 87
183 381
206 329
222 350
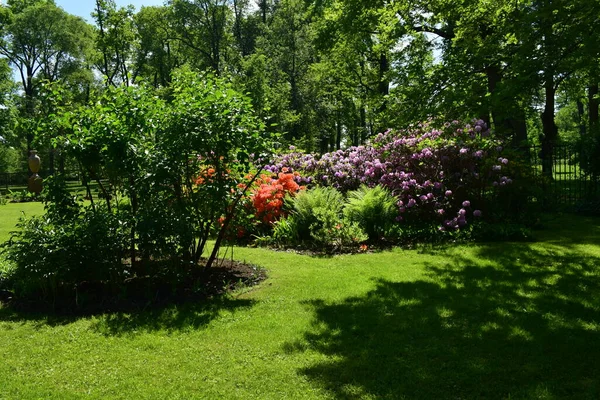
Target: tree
157 53
114 41
203 28
8 139
41 41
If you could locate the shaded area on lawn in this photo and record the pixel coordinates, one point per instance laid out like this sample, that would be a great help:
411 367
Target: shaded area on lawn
515 321
178 317
183 317
151 305
568 230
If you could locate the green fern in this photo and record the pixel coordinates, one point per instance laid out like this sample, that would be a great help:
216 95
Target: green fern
305 205
374 209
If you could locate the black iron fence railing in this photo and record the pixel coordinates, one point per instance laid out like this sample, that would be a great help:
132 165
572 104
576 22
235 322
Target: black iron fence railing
565 183
18 180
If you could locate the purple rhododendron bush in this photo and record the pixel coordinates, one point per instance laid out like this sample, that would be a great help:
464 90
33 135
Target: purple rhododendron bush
451 176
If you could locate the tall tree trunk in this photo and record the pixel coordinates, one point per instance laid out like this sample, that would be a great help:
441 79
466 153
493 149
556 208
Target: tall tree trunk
364 131
263 10
29 111
338 129
237 27
494 77
384 83
593 107
518 126
324 144
355 128
383 88
332 137
549 128
109 76
513 126
61 162
580 112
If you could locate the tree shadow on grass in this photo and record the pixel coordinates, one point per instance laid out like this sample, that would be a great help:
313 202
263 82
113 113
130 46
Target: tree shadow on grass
175 317
38 319
521 324
180 317
145 304
566 231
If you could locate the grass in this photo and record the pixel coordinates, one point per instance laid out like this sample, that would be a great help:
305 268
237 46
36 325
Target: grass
9 216
74 187
490 321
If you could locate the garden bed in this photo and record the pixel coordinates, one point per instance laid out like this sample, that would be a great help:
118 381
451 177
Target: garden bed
142 293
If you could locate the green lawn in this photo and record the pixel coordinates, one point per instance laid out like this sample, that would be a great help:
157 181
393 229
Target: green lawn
489 321
9 216
74 187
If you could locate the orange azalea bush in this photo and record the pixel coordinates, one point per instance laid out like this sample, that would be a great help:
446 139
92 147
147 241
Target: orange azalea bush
262 206
268 195
205 175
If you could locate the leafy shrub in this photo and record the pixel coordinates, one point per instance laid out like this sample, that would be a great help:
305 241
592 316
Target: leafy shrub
144 154
588 149
10 157
316 219
285 233
21 196
306 207
329 231
151 152
521 200
60 204
445 175
373 209
53 256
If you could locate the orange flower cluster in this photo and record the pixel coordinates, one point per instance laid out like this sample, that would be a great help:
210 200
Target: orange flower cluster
205 175
267 198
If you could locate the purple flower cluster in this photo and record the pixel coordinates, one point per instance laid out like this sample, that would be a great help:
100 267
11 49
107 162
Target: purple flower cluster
434 173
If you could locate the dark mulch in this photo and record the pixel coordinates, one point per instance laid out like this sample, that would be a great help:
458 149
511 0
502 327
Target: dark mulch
169 286
231 275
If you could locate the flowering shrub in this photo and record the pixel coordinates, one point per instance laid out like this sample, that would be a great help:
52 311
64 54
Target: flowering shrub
263 205
206 175
268 196
448 175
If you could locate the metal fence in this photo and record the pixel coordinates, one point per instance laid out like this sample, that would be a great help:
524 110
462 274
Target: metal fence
568 186
18 180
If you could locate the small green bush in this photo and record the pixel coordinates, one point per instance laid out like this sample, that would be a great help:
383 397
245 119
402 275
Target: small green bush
317 220
588 149
305 208
373 209
51 258
331 232
285 232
